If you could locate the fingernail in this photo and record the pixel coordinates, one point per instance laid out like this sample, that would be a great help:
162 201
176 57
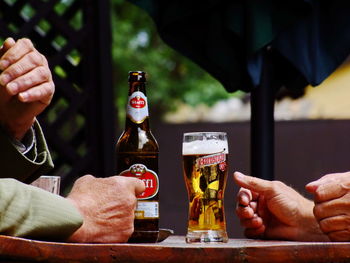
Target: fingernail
23 96
312 186
4 79
313 183
245 200
12 88
4 64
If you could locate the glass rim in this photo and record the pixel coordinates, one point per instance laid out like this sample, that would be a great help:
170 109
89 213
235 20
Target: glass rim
204 132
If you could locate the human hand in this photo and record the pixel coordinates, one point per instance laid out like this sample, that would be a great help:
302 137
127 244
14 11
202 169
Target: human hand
107 206
332 205
26 86
272 210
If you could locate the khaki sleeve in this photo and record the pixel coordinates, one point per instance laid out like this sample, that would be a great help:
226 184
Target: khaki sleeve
16 165
28 211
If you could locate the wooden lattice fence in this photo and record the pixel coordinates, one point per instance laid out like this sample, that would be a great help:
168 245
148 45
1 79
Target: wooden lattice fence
74 35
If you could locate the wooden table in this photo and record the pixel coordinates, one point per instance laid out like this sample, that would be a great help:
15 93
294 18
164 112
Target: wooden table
174 249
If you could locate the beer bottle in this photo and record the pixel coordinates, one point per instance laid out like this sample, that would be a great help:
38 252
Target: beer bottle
137 156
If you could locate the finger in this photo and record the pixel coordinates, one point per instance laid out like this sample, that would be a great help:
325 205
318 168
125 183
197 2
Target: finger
244 196
255 232
312 187
255 222
244 212
17 51
340 236
329 191
326 179
335 223
42 93
332 208
26 64
134 184
31 79
254 205
139 187
9 42
252 183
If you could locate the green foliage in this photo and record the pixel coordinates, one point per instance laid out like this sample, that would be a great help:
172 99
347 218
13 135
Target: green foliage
172 78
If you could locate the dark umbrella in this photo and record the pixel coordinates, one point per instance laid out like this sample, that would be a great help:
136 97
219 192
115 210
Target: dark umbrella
257 46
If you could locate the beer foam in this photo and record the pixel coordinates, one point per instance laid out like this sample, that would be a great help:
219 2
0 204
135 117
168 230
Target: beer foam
204 147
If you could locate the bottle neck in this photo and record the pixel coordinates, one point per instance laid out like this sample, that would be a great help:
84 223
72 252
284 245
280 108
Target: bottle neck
137 115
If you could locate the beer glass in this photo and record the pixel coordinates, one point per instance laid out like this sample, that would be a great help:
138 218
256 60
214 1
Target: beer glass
205 172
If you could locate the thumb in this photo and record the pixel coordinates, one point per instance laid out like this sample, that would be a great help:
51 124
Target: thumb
139 187
252 183
312 186
134 185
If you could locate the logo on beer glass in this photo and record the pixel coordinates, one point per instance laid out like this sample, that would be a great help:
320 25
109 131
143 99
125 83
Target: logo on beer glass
208 160
149 178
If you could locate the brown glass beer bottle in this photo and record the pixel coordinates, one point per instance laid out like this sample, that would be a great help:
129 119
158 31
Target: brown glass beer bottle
137 156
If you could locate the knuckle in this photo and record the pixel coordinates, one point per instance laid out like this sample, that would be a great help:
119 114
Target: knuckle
126 233
26 42
28 81
50 91
126 182
43 59
84 178
52 86
34 58
120 181
345 186
43 73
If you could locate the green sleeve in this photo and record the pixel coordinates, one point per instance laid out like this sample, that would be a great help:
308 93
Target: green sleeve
25 210
28 211
16 165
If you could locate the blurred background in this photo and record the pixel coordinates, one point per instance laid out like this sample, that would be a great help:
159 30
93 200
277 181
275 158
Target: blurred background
183 98
91 47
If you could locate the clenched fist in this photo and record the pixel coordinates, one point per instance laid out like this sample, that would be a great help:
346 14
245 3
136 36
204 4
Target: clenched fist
26 86
107 206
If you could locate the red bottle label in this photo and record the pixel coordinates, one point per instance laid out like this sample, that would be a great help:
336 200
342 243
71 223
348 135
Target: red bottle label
149 178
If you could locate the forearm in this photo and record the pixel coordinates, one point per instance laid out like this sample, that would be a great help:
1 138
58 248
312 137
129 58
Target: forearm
28 211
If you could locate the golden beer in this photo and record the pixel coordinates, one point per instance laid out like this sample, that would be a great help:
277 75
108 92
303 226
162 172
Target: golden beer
205 173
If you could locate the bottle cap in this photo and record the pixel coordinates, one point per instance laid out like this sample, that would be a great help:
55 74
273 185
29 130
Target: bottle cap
137 76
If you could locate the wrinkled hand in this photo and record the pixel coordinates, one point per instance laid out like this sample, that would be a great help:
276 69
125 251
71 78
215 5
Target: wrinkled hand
26 86
107 206
272 210
332 205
